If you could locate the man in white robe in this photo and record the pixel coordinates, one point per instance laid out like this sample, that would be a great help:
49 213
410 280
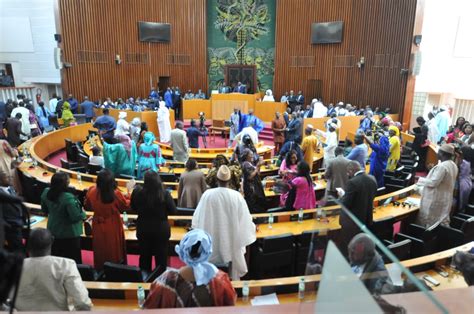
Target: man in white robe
443 120
330 142
319 110
25 120
224 214
164 126
250 131
123 127
433 133
438 188
234 125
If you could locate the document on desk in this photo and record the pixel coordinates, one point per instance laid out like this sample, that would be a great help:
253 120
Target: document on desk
269 299
413 201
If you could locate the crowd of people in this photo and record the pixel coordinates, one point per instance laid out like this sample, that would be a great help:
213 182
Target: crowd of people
225 197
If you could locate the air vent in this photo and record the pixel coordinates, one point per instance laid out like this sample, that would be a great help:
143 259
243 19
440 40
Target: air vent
85 56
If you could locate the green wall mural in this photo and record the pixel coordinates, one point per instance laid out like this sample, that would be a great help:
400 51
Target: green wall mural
241 32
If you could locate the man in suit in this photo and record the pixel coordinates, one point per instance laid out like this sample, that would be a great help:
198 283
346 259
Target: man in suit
300 100
240 88
308 113
179 143
224 89
336 173
87 108
292 101
359 200
294 129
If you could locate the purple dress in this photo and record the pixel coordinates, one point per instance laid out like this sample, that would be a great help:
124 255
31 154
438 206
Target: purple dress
465 184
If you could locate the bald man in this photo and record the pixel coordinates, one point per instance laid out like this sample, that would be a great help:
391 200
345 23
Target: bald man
359 200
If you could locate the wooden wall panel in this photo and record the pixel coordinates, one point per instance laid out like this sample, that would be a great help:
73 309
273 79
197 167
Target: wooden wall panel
101 29
371 28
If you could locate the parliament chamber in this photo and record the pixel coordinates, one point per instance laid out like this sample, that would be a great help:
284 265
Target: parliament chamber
357 58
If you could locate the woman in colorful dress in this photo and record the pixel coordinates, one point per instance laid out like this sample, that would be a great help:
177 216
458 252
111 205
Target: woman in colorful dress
394 140
149 155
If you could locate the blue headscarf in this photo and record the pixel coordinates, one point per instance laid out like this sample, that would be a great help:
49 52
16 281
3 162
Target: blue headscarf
148 138
203 270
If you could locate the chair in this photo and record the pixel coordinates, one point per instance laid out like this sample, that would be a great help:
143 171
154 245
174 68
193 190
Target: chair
424 240
273 253
302 246
401 250
71 165
393 187
71 150
114 272
381 191
30 188
83 160
93 169
182 211
383 228
276 210
88 273
459 232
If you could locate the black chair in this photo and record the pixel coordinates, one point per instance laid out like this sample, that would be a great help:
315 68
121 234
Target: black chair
469 209
93 169
381 191
123 273
183 211
71 166
302 246
168 177
276 210
424 240
383 228
273 255
459 232
30 188
393 187
88 273
401 250
83 160
71 150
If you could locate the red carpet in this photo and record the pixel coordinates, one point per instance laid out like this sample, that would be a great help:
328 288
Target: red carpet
132 260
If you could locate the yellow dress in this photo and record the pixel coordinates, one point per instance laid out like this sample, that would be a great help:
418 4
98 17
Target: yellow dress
309 148
394 153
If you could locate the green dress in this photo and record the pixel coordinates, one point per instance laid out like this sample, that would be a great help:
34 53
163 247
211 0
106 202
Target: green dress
118 160
65 215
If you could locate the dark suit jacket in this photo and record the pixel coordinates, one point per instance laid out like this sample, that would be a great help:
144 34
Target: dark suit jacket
299 99
359 199
294 130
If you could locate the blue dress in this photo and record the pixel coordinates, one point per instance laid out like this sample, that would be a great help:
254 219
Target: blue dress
378 160
43 119
149 158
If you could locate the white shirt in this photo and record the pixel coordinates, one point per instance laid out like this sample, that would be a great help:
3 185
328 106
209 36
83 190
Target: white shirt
123 128
52 104
51 283
268 98
250 131
224 214
25 120
319 110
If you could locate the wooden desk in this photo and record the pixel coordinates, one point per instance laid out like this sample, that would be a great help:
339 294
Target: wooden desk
192 107
218 130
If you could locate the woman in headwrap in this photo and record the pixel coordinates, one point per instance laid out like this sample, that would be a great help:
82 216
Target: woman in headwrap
268 96
34 124
121 157
394 140
235 171
149 155
378 159
67 115
197 284
123 128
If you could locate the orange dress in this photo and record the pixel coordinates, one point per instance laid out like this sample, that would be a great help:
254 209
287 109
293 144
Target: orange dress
108 237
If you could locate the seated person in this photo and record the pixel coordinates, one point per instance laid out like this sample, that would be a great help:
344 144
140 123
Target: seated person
464 261
96 158
367 263
197 284
49 283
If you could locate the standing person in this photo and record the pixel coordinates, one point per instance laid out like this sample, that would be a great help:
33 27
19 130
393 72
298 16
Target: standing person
309 146
43 114
67 115
123 128
331 142
164 127
168 98
291 100
224 214
300 100
65 216
359 153
153 203
284 97
14 130
303 186
192 184
149 155
367 122
73 103
234 125
193 135
253 189
53 102
443 120
106 125
203 128
25 120
87 108
199 283
336 173
395 148
120 158
293 129
359 200
278 128
12 215
438 187
9 163
319 110
420 143
34 123
378 159
433 132
143 130
179 143
107 202
49 283
135 130
464 179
